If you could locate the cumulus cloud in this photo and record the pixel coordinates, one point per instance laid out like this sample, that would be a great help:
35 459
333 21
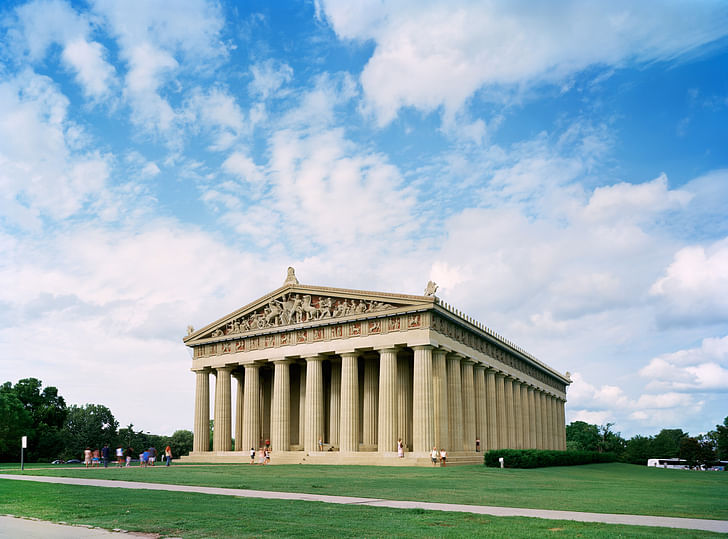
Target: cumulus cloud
429 54
695 369
43 171
43 23
694 288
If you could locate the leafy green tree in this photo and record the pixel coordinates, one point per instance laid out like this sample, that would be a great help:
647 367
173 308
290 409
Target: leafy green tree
181 443
721 440
91 425
667 443
690 451
638 450
15 422
581 436
611 442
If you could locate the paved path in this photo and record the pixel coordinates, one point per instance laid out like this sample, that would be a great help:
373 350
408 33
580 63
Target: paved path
31 528
638 520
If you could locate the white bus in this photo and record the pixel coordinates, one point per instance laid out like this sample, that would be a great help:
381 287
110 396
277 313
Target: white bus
673 464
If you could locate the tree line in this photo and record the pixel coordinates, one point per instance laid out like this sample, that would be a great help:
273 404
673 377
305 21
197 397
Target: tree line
704 449
58 431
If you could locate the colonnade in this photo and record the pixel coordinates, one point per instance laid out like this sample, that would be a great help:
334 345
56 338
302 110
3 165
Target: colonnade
367 401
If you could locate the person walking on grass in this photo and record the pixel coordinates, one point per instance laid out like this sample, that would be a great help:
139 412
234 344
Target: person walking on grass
252 455
87 456
167 455
105 455
119 456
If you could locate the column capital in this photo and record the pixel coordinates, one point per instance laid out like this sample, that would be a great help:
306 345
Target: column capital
390 349
479 365
455 355
251 366
314 358
282 361
225 368
423 347
467 361
349 354
440 352
202 370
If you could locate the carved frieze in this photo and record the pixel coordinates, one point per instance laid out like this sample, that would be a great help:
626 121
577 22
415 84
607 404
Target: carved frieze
294 308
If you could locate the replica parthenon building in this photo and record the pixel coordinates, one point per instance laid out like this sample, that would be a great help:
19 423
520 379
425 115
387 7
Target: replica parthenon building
340 376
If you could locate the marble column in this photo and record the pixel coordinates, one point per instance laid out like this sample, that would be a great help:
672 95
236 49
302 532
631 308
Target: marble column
538 418
518 413
302 407
280 436
222 437
422 420
335 402
500 404
491 409
544 421
481 418
455 402
251 408
468 385
439 397
387 435
562 423
201 439
532 418
349 424
314 404
404 404
371 397
526 416
239 381
510 413
554 425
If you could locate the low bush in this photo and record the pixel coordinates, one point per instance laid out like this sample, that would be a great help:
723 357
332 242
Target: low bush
541 458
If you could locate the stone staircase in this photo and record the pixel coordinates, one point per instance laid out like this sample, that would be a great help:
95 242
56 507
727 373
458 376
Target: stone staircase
362 458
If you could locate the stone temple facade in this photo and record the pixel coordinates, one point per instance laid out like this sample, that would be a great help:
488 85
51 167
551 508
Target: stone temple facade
330 375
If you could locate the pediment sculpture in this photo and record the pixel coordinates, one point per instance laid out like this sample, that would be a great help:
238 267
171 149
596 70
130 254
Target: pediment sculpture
295 308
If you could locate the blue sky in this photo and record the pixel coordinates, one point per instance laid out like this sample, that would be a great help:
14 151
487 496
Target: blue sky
561 172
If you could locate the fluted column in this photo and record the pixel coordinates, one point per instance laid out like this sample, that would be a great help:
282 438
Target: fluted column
223 420
239 381
422 421
280 436
302 406
550 419
532 419
491 409
518 413
500 403
201 439
335 402
510 413
371 397
251 408
525 415
404 404
314 403
349 425
539 418
481 419
468 385
542 419
439 397
387 435
554 425
562 423
455 402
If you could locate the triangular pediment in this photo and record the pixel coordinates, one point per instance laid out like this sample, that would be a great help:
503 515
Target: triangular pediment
303 305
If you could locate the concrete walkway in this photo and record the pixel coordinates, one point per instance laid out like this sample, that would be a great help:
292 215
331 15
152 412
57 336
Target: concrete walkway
636 520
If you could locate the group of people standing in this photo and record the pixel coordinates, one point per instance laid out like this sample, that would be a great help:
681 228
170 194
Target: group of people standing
438 456
263 454
94 457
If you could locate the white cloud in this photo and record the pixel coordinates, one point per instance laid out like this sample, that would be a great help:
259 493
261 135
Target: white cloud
694 288
694 369
429 54
43 171
268 77
45 22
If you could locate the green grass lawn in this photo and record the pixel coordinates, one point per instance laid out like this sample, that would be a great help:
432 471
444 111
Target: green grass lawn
601 488
199 515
